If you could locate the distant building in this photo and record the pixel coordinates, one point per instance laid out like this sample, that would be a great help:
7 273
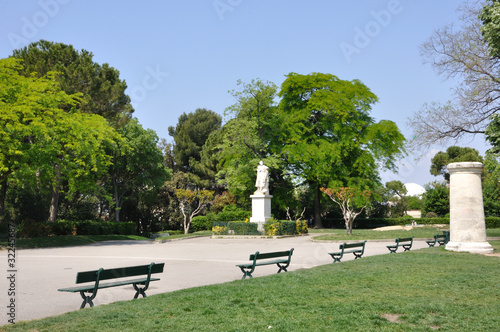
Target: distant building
414 189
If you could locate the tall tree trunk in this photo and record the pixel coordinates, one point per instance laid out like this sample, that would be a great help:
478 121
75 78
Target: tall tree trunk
117 201
349 223
3 195
54 202
317 207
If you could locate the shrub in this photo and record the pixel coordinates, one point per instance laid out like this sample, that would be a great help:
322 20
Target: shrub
92 227
219 230
30 228
202 223
64 227
243 227
232 212
301 227
492 222
431 215
235 228
275 227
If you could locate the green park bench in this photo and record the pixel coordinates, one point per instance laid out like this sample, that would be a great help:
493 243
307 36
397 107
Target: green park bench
258 259
97 276
405 242
441 239
357 249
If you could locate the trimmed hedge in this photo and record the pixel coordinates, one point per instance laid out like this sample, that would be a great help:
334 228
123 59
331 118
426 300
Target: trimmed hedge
65 227
229 214
491 222
235 228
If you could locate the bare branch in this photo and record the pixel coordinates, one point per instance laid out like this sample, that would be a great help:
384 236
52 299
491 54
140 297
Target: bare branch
459 54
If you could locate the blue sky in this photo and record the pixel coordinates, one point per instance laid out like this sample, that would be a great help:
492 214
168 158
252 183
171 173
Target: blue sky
177 56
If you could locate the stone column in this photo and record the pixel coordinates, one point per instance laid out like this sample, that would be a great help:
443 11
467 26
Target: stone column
261 210
467 225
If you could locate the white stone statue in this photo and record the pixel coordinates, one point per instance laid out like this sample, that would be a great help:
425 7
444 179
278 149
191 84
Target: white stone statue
262 182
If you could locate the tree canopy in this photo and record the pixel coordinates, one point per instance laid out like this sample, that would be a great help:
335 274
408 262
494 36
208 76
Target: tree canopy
328 137
137 164
102 90
190 135
453 154
40 137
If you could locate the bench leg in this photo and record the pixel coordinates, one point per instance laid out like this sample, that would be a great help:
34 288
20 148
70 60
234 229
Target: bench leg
336 259
87 299
431 244
141 291
282 267
357 255
246 273
407 248
392 250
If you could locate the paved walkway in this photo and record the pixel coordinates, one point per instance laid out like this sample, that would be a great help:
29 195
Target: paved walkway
188 263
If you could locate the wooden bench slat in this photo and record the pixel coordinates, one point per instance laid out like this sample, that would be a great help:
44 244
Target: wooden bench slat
131 271
270 255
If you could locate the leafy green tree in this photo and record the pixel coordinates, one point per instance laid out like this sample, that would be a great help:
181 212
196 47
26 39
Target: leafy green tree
328 137
490 16
436 199
493 134
351 201
414 203
453 154
137 165
40 137
78 154
190 135
191 203
102 89
397 192
249 136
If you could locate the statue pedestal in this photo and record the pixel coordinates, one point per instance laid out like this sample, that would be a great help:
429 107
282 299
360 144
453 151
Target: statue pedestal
261 210
467 225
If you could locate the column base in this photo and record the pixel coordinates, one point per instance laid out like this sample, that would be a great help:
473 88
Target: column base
472 247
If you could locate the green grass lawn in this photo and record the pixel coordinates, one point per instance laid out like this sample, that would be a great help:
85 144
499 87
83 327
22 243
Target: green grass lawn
422 290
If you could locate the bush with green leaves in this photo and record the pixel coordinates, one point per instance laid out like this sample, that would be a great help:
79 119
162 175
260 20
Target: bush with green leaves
202 223
31 229
232 212
274 227
235 228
